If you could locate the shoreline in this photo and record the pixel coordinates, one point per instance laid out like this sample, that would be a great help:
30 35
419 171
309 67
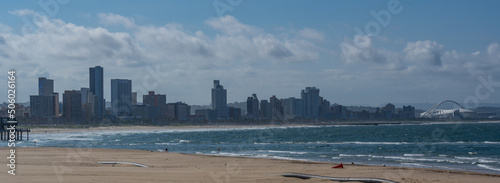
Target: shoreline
160 128
50 164
37 130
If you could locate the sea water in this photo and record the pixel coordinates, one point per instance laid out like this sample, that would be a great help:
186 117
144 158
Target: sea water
452 146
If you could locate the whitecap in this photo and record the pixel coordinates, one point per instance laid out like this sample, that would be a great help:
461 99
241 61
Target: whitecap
488 167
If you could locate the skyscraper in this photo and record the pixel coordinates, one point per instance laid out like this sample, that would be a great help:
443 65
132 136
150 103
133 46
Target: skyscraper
72 105
276 108
253 107
121 97
158 100
310 98
45 86
88 104
96 83
292 108
46 103
153 99
265 110
134 98
219 100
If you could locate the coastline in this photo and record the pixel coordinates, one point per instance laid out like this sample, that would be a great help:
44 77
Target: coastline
48 164
37 130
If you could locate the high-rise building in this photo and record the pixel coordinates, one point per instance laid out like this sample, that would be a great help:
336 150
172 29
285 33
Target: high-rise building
266 112
145 112
134 98
178 111
311 102
43 106
253 107
72 105
45 86
96 82
46 103
408 112
88 104
292 108
325 111
121 97
158 100
277 109
208 114
219 100
153 99
234 113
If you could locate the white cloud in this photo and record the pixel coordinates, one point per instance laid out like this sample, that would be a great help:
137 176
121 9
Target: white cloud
5 28
424 51
312 34
494 51
364 51
22 12
114 19
64 51
230 25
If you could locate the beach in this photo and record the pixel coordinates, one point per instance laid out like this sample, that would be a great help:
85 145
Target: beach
47 164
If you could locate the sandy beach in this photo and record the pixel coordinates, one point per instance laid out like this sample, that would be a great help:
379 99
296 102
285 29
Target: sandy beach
45 164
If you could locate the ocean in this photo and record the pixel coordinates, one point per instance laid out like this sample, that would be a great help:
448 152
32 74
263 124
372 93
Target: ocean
451 146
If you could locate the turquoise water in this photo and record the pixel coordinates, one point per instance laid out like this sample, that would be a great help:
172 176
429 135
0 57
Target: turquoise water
455 146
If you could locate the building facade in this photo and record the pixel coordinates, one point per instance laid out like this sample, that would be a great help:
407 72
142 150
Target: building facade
219 100
72 105
311 102
46 103
121 97
96 82
253 107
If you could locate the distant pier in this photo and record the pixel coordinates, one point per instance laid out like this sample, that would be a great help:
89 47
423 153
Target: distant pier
5 132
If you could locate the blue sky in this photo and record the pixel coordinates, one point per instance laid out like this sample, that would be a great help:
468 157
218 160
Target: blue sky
428 51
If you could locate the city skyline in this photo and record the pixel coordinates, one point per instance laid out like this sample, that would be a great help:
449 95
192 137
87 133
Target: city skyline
448 52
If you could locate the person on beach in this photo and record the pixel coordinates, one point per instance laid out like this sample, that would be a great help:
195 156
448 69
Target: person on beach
166 149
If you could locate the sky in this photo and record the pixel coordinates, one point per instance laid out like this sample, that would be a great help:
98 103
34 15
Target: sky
355 52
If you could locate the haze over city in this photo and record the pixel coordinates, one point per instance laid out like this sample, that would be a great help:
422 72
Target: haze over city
371 54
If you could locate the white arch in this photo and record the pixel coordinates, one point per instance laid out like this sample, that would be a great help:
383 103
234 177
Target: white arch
432 110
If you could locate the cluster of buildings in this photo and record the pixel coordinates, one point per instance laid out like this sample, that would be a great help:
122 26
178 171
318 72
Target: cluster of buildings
88 105
311 106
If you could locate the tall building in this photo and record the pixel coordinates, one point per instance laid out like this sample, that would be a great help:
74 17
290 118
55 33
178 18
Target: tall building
145 112
121 97
219 100
253 107
134 98
277 109
325 111
96 82
292 108
46 103
153 99
158 100
408 112
311 102
45 86
266 112
178 111
234 113
72 105
88 104
43 106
